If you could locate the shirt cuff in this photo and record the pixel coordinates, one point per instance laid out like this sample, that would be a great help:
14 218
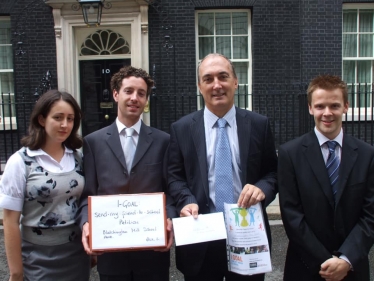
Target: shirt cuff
343 257
11 203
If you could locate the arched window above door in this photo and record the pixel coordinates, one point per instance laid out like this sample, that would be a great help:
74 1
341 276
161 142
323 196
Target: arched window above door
104 42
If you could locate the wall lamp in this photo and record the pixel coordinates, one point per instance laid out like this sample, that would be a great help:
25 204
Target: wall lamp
92 10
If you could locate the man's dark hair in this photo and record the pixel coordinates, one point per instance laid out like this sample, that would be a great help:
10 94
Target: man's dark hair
128 71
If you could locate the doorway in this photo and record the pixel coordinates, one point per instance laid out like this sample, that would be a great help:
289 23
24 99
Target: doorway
98 106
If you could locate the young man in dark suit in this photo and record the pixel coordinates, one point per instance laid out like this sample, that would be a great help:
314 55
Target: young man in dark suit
112 169
192 182
326 191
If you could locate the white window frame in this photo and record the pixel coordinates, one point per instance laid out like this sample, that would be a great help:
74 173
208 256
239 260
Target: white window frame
7 122
248 60
358 113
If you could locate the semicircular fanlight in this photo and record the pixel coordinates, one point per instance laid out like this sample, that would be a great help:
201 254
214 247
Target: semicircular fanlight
104 42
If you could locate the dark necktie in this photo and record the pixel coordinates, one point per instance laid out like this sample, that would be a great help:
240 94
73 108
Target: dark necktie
332 165
223 168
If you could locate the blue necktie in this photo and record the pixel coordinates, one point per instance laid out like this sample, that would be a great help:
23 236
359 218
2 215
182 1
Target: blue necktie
332 165
223 168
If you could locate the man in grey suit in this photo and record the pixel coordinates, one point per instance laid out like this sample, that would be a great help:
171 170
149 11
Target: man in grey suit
192 182
326 193
108 170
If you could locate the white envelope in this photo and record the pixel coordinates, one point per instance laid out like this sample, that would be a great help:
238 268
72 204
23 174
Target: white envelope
209 227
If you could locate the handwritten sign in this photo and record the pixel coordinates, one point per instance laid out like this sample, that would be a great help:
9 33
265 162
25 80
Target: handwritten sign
127 222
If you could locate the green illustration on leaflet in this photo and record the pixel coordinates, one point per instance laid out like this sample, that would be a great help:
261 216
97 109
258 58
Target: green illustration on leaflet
243 213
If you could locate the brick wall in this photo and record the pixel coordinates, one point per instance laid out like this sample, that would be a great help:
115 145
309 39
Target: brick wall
35 20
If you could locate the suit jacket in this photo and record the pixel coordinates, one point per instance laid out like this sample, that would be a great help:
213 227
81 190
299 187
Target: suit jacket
316 225
106 174
188 174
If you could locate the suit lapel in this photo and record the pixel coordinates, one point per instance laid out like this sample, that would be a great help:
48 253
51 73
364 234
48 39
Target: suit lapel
115 144
198 136
313 154
348 160
144 142
244 132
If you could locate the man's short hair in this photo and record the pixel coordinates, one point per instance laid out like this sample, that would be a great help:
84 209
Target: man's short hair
217 55
129 71
327 82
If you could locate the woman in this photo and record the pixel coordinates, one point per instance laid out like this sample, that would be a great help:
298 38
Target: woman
43 182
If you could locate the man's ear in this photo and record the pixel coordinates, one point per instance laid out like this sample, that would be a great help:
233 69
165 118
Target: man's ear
115 95
310 110
346 106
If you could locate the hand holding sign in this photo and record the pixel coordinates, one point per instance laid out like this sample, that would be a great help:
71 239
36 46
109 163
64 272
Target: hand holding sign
127 222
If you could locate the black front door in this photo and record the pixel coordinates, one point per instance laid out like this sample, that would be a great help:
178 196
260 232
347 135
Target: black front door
98 107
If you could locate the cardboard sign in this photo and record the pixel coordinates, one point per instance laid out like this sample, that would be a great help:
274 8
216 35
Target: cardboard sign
127 222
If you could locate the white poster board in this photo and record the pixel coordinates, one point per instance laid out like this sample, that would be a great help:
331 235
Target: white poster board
127 222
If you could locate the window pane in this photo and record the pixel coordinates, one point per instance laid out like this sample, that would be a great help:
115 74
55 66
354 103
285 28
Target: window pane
240 45
223 23
5 32
8 108
349 45
241 69
364 97
6 83
364 71
6 57
366 45
223 46
366 21
239 23
351 95
350 21
241 97
349 71
206 24
206 46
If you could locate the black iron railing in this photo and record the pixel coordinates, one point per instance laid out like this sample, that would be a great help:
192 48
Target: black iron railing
286 107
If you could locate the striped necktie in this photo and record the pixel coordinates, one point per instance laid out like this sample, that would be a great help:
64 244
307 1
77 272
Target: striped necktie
332 166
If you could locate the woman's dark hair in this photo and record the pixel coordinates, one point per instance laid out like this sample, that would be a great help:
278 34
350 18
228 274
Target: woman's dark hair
37 137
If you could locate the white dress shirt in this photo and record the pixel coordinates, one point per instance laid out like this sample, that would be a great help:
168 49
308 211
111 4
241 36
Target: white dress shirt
121 131
13 180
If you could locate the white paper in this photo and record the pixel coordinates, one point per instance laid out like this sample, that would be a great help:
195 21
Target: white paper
127 221
209 227
247 240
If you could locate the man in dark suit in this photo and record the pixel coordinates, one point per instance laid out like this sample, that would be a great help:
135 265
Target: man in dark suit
192 182
108 171
326 191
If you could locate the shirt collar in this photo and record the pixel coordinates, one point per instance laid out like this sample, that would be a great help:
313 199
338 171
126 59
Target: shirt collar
121 126
40 152
322 139
211 118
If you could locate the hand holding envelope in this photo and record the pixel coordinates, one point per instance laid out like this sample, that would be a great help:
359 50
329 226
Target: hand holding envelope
208 227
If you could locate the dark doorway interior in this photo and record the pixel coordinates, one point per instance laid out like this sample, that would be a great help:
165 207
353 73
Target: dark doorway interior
98 107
